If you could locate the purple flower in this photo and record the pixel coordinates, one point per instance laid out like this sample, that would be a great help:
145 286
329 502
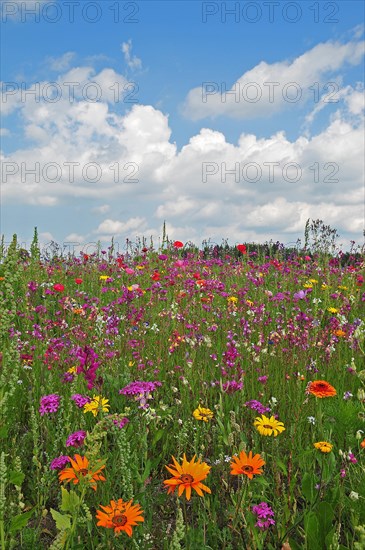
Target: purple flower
68 377
49 403
262 379
141 391
257 406
347 395
32 285
59 463
137 387
80 400
300 295
232 386
76 439
264 515
88 365
352 458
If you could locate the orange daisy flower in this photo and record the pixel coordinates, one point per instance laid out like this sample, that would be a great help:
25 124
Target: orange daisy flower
80 470
246 464
321 388
187 476
120 516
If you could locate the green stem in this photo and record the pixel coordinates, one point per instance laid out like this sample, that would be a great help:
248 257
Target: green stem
311 507
75 518
2 534
320 418
239 502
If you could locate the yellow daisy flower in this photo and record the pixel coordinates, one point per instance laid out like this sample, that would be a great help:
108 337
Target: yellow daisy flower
268 426
203 414
96 405
323 446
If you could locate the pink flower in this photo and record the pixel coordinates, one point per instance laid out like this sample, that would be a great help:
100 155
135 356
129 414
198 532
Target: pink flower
76 439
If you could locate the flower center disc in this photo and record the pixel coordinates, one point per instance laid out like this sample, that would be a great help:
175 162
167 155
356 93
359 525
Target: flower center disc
119 520
186 478
83 472
267 426
248 469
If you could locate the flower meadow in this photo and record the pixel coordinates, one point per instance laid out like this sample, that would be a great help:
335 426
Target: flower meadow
182 399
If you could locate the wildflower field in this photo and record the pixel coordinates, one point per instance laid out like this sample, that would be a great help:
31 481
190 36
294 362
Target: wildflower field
182 399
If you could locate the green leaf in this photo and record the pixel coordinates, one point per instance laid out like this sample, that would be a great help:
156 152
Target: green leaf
311 527
155 462
158 435
282 466
146 472
333 495
19 522
331 538
294 545
3 432
16 478
70 500
308 487
261 481
63 521
325 517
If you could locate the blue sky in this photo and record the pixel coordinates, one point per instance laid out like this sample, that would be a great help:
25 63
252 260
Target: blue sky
177 140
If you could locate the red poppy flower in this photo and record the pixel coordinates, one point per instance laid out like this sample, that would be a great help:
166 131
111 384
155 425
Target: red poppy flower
78 281
242 248
178 244
120 262
155 276
58 287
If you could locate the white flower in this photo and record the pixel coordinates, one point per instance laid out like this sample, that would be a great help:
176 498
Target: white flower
354 496
311 420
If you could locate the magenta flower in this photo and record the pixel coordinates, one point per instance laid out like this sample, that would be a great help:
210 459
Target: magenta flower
257 406
76 439
137 387
121 423
80 400
49 403
141 391
232 386
59 463
264 515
